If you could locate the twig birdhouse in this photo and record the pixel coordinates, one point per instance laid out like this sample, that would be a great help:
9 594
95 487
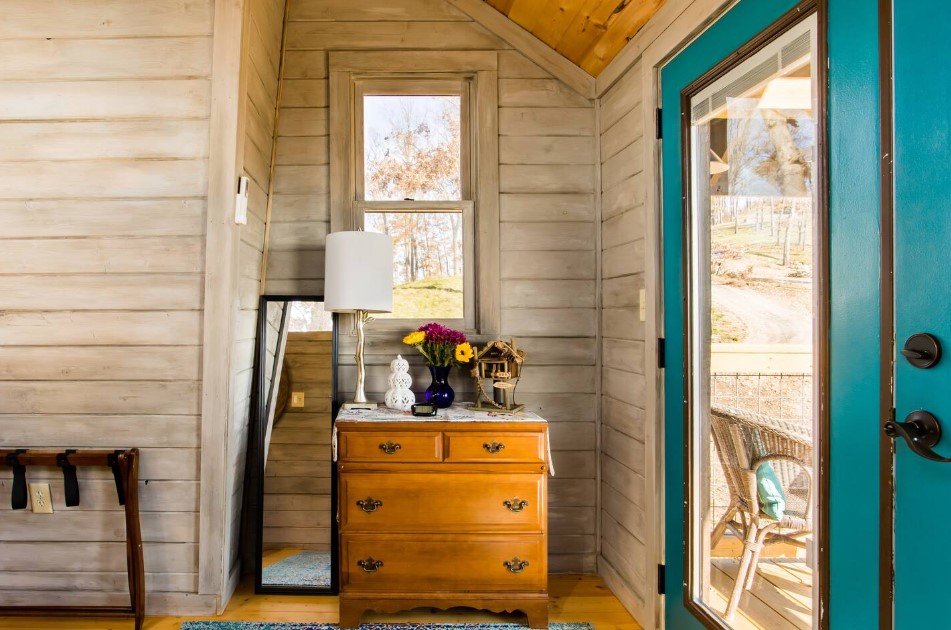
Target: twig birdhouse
499 365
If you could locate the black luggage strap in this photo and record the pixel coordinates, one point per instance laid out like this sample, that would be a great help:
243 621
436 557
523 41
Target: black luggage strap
113 460
70 483
18 498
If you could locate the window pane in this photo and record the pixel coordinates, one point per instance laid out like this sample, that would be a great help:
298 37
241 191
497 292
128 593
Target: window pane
412 148
753 440
427 262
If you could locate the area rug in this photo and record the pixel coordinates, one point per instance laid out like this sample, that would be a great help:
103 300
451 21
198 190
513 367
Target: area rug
263 625
307 568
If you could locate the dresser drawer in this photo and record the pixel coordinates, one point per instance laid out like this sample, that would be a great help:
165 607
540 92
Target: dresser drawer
495 447
418 446
437 502
431 563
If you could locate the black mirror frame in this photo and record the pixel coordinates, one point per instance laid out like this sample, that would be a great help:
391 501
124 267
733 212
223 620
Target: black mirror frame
254 476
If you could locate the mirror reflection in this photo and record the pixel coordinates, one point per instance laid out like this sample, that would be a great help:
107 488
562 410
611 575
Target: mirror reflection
298 389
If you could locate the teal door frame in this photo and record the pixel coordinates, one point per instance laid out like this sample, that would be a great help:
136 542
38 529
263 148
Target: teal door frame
850 365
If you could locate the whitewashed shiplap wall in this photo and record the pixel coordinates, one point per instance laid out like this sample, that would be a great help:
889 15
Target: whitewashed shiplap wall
103 182
547 229
263 29
625 504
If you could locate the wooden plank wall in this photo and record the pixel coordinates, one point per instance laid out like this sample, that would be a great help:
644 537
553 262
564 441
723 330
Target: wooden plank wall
297 477
627 510
264 26
548 251
103 181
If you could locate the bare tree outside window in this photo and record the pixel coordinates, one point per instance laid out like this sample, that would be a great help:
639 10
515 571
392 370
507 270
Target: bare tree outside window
413 153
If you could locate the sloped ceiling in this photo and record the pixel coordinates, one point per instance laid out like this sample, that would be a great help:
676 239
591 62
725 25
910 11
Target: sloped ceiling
590 33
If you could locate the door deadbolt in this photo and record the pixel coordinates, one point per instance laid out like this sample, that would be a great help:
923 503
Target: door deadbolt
922 350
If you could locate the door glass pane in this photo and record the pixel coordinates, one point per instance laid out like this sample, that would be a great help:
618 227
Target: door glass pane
752 292
412 148
427 263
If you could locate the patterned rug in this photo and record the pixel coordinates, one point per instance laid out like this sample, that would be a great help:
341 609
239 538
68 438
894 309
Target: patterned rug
307 568
263 625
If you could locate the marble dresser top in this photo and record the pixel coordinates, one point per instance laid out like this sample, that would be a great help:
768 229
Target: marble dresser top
458 412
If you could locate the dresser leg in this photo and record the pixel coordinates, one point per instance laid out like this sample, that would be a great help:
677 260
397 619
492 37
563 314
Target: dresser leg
350 615
537 614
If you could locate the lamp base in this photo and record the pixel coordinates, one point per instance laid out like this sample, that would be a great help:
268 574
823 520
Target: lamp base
369 406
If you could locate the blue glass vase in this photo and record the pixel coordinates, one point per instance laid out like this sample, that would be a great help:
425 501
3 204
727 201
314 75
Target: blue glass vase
439 392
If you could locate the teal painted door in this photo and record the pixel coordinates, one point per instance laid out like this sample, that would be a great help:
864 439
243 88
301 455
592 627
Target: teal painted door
922 89
850 283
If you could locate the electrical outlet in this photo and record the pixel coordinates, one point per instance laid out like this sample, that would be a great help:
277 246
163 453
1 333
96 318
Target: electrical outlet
297 399
41 500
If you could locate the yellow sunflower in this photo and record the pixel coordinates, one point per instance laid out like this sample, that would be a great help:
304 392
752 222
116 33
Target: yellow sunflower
464 352
414 338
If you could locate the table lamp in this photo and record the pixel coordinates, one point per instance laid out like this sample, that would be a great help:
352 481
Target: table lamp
359 280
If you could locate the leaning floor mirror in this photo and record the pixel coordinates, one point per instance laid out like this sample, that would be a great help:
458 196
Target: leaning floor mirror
291 471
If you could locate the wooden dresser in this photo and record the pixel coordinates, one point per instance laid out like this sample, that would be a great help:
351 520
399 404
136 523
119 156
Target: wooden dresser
442 512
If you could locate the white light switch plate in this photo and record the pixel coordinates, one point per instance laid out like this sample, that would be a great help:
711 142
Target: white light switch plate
241 202
297 399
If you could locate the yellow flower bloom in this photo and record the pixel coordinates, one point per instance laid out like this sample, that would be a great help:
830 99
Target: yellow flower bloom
464 352
414 338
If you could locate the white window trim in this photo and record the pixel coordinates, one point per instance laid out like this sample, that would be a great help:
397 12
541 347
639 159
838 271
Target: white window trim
480 70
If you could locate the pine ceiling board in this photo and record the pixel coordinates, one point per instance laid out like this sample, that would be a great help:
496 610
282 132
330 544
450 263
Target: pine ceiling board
621 29
526 13
588 27
502 6
555 20
589 33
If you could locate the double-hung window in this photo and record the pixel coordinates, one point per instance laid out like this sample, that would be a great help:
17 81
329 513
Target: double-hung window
413 181
414 154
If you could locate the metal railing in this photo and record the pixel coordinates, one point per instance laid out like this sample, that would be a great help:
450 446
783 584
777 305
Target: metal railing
781 396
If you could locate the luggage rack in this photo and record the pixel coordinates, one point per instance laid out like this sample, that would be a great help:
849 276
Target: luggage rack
125 471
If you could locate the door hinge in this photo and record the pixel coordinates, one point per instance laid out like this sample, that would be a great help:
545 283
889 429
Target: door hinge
661 574
659 132
661 352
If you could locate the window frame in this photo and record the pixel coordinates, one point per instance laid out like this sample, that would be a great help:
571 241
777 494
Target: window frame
472 73
428 85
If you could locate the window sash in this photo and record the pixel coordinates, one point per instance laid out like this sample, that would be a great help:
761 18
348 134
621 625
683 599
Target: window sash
453 86
467 323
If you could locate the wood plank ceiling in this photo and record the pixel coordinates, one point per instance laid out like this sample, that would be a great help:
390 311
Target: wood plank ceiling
590 33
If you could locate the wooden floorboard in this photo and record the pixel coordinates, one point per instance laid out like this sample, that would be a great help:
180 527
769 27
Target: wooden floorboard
780 599
574 598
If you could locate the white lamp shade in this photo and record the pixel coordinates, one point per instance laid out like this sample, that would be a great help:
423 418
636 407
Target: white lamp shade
358 272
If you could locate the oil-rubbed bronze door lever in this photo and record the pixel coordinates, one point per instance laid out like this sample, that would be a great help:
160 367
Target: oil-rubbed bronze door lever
921 431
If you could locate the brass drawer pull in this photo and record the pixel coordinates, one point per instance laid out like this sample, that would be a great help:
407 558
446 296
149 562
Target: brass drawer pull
370 565
493 447
390 447
515 565
515 505
369 504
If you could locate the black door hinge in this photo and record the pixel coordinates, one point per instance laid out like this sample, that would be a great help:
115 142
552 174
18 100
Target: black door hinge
661 352
659 132
661 574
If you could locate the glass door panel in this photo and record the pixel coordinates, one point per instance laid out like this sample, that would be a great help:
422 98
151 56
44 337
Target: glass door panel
750 337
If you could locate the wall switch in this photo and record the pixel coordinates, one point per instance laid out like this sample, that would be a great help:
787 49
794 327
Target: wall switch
41 499
641 298
241 202
297 399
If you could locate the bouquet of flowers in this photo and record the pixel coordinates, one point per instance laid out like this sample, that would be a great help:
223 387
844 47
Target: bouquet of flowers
440 346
